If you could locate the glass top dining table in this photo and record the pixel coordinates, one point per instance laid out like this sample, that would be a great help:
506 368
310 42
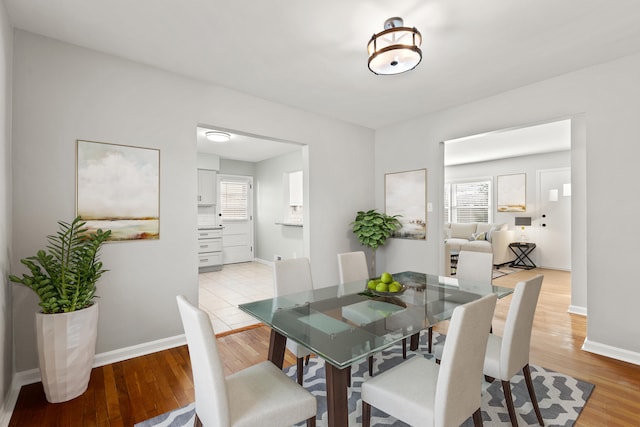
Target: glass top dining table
346 323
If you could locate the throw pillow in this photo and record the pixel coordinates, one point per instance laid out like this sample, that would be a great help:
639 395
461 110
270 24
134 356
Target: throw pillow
479 236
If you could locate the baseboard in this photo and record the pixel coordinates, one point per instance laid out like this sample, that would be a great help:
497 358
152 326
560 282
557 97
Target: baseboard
33 375
576 309
10 403
612 352
263 261
138 350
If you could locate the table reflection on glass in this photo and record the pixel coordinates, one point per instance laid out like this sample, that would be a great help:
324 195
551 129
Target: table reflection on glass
346 323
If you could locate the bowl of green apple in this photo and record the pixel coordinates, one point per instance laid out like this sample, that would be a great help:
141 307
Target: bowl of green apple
385 286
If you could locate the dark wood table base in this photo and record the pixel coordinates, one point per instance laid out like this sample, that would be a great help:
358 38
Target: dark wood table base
337 382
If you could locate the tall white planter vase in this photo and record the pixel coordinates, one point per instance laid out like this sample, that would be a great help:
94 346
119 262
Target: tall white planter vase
66 349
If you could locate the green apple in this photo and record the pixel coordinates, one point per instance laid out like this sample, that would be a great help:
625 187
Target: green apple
371 284
386 277
382 287
395 287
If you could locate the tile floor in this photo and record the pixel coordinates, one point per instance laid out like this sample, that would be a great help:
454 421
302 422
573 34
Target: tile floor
222 291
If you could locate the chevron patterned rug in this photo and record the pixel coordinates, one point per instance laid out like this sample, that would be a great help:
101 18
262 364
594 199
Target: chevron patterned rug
561 397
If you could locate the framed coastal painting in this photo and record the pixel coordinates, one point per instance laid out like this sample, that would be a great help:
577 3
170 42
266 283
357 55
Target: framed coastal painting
512 193
118 189
405 194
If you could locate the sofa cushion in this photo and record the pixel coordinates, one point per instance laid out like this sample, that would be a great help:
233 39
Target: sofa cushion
462 231
483 227
477 246
455 244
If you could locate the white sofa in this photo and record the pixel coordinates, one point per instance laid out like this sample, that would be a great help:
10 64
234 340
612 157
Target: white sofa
478 237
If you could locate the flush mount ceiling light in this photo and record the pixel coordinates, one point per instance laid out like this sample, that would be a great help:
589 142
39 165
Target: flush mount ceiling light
217 136
396 49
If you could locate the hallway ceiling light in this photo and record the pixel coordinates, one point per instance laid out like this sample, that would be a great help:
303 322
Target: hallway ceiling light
396 49
217 136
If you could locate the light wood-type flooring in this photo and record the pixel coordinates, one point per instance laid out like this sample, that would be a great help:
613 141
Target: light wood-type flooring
124 393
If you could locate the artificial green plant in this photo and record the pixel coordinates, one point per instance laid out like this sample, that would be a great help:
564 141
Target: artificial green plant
373 228
65 274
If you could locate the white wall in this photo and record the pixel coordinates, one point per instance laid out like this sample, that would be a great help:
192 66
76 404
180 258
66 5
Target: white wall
64 93
6 323
271 238
528 165
237 167
606 99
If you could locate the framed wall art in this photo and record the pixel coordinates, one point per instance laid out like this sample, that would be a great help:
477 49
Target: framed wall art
118 189
405 194
512 193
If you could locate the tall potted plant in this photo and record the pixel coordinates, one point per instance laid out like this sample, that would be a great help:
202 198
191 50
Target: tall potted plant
64 277
373 228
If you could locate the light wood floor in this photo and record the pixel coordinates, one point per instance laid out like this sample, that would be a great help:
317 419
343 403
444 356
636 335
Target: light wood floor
124 393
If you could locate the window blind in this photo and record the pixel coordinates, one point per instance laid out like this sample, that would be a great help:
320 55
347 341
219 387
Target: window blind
470 201
233 200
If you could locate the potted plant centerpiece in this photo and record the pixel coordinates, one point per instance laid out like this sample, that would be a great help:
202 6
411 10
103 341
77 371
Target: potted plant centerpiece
373 228
64 276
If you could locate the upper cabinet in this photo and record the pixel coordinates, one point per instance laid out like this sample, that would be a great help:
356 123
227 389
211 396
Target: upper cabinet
206 187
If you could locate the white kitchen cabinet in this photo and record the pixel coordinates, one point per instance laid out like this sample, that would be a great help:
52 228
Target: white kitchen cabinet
206 187
209 249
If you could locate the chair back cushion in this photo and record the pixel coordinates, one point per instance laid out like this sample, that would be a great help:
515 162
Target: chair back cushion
352 266
516 340
475 266
291 276
458 390
212 405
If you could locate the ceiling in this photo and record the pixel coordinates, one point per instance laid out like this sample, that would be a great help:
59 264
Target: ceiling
243 147
312 55
537 139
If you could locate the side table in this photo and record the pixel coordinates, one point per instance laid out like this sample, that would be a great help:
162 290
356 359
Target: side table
522 250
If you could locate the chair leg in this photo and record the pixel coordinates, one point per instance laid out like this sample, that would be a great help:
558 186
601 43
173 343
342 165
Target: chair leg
311 422
429 338
526 370
197 422
508 399
306 359
488 379
349 377
370 366
366 414
477 418
300 369
404 348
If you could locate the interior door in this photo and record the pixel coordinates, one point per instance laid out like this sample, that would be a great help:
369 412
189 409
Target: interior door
235 213
554 232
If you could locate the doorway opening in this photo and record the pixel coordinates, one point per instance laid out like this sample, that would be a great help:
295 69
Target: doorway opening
251 198
538 156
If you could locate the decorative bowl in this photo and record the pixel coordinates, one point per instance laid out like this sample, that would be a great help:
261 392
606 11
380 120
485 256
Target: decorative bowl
387 294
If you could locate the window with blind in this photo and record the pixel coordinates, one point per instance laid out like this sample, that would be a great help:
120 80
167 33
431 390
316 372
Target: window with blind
234 200
466 202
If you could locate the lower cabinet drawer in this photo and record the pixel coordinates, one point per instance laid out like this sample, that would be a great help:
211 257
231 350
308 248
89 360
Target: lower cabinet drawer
209 245
213 258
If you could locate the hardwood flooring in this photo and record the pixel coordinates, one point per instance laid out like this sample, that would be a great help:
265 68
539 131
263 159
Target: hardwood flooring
125 393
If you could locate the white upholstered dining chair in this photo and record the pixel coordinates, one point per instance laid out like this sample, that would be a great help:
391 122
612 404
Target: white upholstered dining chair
473 268
508 354
291 276
259 395
423 393
352 266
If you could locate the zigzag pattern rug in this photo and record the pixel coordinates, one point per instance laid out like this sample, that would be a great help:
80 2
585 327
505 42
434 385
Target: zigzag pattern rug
561 397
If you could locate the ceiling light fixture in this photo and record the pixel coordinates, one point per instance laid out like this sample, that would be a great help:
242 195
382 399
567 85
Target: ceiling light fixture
396 49
217 136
